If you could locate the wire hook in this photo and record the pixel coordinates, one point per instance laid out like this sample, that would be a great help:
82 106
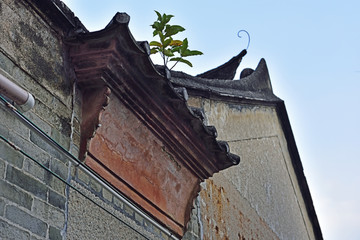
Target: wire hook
247 35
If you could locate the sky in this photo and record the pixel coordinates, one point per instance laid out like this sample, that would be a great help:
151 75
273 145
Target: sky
312 49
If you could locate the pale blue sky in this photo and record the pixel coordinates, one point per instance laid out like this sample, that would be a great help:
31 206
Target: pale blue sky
312 49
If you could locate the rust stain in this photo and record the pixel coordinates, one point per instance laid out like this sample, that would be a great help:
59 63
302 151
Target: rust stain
132 152
224 218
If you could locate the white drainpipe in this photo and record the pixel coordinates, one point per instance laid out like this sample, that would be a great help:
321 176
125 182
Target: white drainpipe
23 99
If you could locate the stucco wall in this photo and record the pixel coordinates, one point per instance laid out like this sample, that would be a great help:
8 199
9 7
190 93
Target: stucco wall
259 198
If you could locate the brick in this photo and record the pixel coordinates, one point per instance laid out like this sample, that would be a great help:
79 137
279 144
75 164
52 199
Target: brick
19 76
150 227
76 125
33 237
55 134
54 234
74 149
60 108
52 119
56 184
95 186
27 82
107 194
63 141
57 200
10 155
15 195
26 182
8 231
2 207
190 236
43 125
9 121
59 168
82 176
164 235
6 64
139 218
78 102
61 123
76 139
35 170
65 125
157 230
4 131
118 203
38 141
128 210
2 169
72 170
26 220
31 149
48 213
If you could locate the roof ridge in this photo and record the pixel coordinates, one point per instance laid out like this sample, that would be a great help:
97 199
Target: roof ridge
226 70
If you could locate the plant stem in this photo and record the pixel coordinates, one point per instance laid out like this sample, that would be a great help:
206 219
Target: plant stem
163 55
174 65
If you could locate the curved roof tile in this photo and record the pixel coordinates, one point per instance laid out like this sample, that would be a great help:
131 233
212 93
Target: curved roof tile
114 58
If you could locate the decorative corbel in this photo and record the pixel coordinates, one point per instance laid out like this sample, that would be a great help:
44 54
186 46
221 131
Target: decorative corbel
93 104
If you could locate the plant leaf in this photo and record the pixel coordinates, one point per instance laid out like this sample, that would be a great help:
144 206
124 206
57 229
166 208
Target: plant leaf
168 53
173 29
158 14
166 46
167 18
196 52
176 49
177 59
184 46
188 53
155 43
154 50
155 32
176 43
156 26
167 42
162 38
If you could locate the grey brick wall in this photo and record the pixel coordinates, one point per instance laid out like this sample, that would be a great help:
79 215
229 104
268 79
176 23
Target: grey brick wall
34 203
28 206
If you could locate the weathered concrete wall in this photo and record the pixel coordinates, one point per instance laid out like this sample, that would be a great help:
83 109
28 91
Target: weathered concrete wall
260 198
32 200
36 48
34 203
31 54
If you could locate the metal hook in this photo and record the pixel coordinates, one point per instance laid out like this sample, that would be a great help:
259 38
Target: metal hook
247 35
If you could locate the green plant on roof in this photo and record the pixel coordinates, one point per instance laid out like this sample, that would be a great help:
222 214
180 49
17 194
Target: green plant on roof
170 49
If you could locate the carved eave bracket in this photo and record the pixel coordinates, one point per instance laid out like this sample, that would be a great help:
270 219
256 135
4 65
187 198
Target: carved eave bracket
112 59
94 101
